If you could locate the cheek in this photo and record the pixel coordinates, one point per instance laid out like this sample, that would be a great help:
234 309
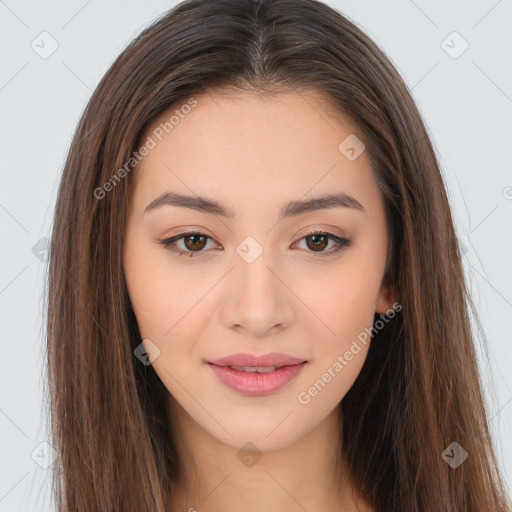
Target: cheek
148 302
168 312
347 307
339 355
160 296
161 314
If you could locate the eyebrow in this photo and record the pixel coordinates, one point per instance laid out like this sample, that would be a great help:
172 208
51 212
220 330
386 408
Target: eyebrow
291 209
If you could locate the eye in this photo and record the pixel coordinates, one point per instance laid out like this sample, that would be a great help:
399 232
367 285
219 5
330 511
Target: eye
318 240
195 242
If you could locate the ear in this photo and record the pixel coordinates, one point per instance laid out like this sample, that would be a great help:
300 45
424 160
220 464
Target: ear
385 299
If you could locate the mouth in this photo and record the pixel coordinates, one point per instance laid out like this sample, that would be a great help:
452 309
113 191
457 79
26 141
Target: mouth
257 379
255 369
245 360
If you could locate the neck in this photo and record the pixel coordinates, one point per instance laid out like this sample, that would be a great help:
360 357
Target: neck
309 474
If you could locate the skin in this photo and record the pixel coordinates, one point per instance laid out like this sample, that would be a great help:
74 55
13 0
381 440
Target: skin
253 155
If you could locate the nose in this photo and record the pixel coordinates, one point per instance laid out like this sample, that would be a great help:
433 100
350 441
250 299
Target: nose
259 299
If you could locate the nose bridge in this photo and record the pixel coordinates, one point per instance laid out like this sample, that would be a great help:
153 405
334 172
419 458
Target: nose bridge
259 301
255 277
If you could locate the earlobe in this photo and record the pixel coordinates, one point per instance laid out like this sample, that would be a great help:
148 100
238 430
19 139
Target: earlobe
385 300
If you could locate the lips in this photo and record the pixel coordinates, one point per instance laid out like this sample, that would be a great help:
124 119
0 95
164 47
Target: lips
266 360
256 375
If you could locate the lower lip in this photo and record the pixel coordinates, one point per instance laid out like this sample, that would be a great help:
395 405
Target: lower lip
256 384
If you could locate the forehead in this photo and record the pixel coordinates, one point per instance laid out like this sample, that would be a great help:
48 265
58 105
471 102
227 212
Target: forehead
260 147
235 122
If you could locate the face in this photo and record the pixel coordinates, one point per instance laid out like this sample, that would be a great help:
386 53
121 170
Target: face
256 267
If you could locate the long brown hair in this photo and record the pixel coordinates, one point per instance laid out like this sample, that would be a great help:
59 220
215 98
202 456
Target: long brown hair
419 389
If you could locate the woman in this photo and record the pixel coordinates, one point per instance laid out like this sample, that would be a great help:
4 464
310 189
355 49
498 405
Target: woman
313 350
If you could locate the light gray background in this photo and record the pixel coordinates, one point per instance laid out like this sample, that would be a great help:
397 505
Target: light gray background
466 103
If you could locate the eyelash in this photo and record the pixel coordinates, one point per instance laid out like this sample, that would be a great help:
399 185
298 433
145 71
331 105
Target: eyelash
342 243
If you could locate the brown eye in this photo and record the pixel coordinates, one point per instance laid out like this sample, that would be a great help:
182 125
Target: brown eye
317 241
193 244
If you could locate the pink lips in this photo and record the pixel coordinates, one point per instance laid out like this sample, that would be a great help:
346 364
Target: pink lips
252 382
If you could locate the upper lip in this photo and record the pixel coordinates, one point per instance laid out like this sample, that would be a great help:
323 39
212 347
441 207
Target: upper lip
273 359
